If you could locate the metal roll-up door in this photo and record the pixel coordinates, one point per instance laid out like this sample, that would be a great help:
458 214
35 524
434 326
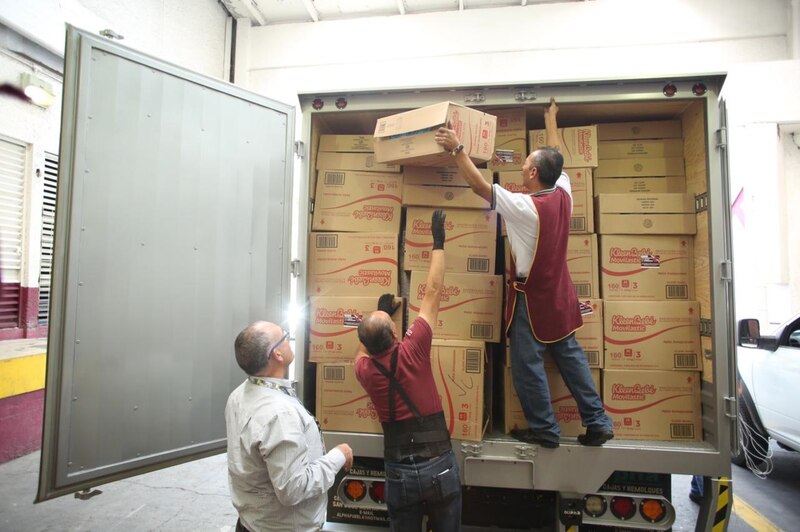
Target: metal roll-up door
12 192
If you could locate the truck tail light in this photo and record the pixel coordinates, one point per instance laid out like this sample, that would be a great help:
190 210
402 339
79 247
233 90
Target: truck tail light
355 490
653 510
376 491
594 505
623 507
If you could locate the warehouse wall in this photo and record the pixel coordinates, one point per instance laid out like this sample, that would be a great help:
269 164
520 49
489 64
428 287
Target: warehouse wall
536 43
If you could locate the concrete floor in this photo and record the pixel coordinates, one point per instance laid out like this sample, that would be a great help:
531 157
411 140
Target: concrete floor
188 497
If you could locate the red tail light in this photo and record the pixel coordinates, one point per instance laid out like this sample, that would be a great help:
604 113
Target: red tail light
376 492
623 507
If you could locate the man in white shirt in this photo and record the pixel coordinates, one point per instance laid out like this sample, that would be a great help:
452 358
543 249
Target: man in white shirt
542 310
278 470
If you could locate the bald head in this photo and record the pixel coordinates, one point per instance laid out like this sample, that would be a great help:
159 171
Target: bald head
377 332
252 345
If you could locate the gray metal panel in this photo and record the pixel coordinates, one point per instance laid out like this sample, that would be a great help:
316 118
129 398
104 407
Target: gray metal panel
172 234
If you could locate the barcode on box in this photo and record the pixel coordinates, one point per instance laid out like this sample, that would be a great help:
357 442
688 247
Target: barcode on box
577 224
327 241
334 178
677 291
333 373
478 265
681 431
477 330
583 289
473 362
593 357
685 360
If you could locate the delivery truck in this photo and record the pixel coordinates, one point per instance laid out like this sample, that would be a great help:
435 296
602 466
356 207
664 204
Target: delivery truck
175 228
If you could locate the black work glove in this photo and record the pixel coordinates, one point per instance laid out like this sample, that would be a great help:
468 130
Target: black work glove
437 228
386 303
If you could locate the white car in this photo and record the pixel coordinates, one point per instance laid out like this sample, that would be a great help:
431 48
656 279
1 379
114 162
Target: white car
769 388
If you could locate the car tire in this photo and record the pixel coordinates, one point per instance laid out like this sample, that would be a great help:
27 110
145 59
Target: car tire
757 446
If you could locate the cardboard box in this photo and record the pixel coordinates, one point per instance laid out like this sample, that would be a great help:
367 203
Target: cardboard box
408 138
460 373
589 337
471 305
441 187
652 336
364 162
565 408
657 129
342 404
333 334
510 147
653 405
646 268
637 149
653 185
642 167
471 240
346 143
357 201
578 144
583 265
341 264
663 214
582 220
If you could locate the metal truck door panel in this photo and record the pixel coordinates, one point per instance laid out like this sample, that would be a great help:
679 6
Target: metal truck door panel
173 233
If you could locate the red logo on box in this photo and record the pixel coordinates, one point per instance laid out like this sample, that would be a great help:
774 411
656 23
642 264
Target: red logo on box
462 416
627 422
376 250
328 345
626 284
381 187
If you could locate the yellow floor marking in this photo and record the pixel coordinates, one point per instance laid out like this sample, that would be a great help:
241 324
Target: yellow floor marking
753 517
21 375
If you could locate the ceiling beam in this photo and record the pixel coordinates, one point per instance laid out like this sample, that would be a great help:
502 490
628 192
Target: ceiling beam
312 11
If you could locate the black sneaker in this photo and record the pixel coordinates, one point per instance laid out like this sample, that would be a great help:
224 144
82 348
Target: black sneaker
695 497
595 438
529 436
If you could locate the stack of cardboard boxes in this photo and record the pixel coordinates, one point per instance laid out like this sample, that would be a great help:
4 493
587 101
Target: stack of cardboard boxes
651 380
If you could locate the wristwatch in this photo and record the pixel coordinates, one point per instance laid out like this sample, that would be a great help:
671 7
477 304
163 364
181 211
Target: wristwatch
457 149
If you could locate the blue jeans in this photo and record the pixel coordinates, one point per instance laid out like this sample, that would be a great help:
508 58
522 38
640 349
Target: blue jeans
432 487
696 486
530 379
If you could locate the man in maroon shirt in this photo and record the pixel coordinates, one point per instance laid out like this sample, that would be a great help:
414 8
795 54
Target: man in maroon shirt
422 474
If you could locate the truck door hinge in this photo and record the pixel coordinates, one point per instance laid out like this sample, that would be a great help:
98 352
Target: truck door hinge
525 96
706 328
474 97
722 138
294 268
730 407
726 270
701 202
471 449
525 451
300 149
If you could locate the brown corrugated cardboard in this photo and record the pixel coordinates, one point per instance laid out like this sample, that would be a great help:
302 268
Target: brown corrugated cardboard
583 265
471 305
665 214
655 185
651 167
342 404
408 138
646 268
459 370
578 144
442 196
471 242
653 405
449 176
333 322
647 336
340 264
638 149
346 143
565 408
353 161
357 201
657 129
510 146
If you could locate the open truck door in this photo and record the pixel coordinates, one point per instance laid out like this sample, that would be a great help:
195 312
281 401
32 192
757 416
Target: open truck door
172 234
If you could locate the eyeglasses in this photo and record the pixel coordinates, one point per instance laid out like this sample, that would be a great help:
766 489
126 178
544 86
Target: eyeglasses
278 343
